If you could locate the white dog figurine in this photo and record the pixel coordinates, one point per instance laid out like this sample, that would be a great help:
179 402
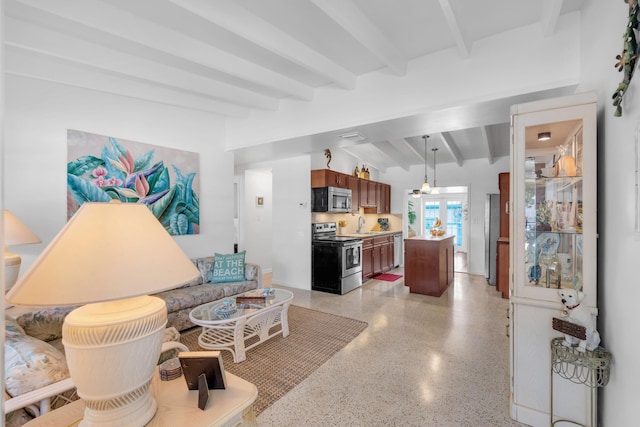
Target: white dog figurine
579 314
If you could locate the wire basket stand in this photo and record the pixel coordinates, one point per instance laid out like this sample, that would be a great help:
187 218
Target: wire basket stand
590 368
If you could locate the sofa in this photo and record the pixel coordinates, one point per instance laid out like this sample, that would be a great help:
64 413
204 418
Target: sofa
45 323
34 334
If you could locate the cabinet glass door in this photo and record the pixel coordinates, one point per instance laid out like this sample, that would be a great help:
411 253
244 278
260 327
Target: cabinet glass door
553 205
554 189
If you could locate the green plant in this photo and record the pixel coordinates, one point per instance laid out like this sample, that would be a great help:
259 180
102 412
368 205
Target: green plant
411 214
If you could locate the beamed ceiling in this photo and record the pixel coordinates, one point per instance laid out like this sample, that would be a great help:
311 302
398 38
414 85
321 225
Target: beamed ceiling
229 57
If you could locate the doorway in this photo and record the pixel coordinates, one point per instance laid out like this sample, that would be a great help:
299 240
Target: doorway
451 207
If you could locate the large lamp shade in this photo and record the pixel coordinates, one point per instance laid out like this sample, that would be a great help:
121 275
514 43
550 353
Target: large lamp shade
109 256
106 251
15 233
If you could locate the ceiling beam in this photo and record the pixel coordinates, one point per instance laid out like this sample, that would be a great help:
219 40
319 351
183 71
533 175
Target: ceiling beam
387 151
234 18
487 144
550 13
356 23
393 154
404 147
40 41
44 67
451 147
106 19
457 31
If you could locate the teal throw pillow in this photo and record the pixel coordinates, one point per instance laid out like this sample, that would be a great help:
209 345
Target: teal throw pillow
228 268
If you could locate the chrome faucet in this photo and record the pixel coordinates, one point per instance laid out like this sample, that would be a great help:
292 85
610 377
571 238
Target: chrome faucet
360 224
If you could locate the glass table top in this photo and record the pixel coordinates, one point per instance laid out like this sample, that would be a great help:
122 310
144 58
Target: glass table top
238 306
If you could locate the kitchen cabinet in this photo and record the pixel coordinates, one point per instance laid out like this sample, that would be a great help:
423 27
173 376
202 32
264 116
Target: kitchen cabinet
353 183
364 193
383 198
386 254
502 249
368 193
386 198
428 264
382 254
553 244
328 178
367 258
377 255
502 261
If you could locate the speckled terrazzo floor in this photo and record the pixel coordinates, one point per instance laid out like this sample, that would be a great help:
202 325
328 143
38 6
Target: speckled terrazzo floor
423 361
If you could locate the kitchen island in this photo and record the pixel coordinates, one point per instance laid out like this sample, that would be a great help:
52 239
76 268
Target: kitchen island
428 264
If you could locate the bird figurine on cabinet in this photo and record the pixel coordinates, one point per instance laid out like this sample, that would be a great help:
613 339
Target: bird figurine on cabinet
327 154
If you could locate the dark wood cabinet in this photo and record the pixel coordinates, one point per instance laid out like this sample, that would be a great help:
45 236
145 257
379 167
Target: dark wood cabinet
353 183
367 193
377 259
385 243
377 255
502 273
328 178
364 193
385 199
367 258
502 250
428 264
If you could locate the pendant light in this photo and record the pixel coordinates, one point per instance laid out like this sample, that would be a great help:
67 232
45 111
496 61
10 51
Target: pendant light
426 188
434 189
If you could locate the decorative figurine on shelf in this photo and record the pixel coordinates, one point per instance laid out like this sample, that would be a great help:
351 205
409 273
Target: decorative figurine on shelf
356 172
543 216
535 272
579 314
327 154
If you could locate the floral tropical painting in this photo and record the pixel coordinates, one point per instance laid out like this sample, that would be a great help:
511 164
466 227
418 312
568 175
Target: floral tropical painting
103 168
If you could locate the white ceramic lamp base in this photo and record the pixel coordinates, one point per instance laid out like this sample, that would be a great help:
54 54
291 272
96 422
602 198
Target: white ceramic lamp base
11 269
112 349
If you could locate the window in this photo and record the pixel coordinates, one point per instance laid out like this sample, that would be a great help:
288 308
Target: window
431 212
454 220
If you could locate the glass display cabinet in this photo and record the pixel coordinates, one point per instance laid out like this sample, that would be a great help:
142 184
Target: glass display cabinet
554 200
553 243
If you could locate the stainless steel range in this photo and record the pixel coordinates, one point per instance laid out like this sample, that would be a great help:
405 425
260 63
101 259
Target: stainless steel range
336 261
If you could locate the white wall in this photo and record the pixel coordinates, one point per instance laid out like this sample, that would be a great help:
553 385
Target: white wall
603 25
291 225
478 175
257 234
37 117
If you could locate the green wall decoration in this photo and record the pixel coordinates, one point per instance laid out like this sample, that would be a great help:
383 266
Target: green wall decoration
627 60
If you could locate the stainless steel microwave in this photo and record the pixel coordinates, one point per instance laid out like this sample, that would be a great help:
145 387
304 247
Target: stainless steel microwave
330 199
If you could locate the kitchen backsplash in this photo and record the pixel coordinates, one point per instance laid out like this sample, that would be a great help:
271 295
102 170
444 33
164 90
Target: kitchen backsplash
370 221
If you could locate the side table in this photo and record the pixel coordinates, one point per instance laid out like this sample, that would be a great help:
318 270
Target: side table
590 368
178 406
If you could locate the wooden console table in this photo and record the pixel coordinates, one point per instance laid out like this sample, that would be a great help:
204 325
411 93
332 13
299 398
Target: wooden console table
178 406
428 264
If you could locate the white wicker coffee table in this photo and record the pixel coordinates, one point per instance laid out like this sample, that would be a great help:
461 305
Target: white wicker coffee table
240 330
